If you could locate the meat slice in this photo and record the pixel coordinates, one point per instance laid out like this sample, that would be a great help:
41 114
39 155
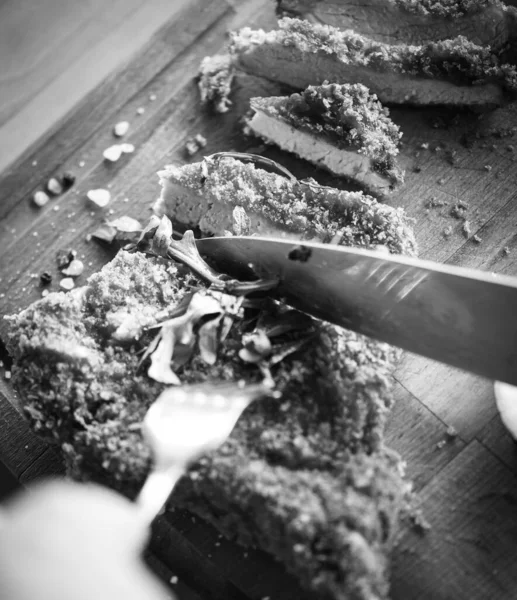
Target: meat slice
483 22
342 128
453 72
206 194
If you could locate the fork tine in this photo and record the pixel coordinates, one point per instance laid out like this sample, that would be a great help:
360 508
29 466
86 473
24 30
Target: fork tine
183 423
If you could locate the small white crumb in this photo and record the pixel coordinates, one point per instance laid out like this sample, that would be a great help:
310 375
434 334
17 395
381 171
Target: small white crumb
152 97
140 110
265 598
7 374
88 237
113 153
2 295
127 148
173 580
40 198
111 211
121 128
56 208
67 283
35 233
81 163
1 364
54 187
488 168
201 140
34 163
44 293
100 197
126 199
424 146
74 269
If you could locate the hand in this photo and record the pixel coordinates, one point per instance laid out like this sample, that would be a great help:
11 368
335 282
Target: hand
66 541
506 400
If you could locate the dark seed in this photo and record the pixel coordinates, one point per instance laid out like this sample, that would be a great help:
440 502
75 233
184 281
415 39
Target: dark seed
68 180
45 278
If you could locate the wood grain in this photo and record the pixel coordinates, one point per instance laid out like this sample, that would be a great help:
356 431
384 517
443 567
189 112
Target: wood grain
53 52
464 484
471 548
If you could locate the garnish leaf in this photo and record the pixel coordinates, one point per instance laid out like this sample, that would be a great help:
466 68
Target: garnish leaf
160 369
208 340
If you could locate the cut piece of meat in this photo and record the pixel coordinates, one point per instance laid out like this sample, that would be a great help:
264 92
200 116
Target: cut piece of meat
483 22
206 194
453 72
305 478
342 128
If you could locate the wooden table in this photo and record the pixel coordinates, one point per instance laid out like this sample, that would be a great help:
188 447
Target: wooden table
467 487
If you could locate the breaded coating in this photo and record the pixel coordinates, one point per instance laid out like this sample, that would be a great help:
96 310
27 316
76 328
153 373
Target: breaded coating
300 54
344 118
306 477
483 22
204 194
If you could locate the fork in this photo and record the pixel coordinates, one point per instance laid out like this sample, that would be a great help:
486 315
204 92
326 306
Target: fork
184 423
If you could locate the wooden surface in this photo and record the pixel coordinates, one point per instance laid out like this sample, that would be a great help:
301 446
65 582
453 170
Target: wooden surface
52 52
467 488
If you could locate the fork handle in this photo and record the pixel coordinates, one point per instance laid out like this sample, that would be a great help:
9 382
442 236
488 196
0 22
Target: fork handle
156 490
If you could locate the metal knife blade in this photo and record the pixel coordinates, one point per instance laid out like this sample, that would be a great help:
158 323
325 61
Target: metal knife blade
462 317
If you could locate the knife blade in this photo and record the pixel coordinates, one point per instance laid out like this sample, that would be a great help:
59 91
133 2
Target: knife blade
463 317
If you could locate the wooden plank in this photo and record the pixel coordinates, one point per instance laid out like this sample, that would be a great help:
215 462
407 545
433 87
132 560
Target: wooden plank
471 548
177 587
244 567
19 447
460 399
498 440
56 51
185 560
48 464
52 149
420 438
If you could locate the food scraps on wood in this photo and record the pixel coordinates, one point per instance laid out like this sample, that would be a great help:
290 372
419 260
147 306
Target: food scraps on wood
100 197
40 198
121 128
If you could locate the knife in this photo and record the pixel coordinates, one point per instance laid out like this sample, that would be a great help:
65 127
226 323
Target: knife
463 317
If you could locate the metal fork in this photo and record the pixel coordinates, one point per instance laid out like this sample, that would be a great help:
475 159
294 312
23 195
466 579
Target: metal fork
184 423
